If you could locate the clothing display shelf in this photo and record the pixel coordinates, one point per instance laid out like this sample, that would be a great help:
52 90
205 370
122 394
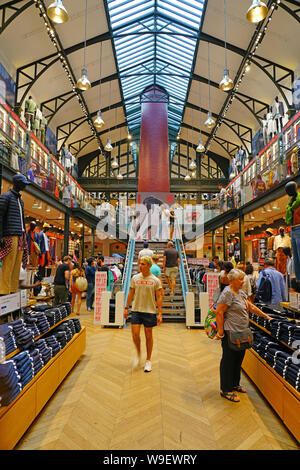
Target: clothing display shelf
268 332
16 351
287 306
283 398
16 418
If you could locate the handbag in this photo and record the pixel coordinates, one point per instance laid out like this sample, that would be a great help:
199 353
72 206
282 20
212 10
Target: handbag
81 283
240 340
36 248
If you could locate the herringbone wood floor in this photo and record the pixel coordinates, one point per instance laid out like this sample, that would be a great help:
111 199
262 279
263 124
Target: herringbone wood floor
104 404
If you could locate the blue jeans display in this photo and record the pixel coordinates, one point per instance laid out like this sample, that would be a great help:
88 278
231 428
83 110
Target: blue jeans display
295 240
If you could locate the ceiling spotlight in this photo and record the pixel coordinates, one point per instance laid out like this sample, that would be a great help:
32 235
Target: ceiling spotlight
226 84
187 177
257 11
98 123
248 67
129 136
200 147
57 12
83 83
120 176
210 122
108 146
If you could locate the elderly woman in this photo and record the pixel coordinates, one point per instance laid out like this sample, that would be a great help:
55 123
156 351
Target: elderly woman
232 315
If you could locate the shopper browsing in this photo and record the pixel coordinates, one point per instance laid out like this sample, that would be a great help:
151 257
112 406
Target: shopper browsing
90 272
146 292
232 316
61 280
171 262
76 290
146 251
271 285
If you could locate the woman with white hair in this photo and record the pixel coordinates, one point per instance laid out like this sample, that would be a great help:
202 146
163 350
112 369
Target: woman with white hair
232 317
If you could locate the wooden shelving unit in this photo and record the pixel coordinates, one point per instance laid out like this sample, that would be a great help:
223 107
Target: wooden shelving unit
16 418
281 395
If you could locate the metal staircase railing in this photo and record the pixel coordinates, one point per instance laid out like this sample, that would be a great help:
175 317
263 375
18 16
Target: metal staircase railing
184 278
128 267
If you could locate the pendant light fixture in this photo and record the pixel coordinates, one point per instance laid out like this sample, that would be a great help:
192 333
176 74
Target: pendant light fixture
187 176
200 147
119 175
226 84
98 122
114 163
83 83
210 122
57 12
193 164
257 11
108 146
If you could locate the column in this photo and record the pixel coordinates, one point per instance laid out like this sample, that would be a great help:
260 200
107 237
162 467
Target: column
213 236
82 243
66 234
93 242
225 242
242 236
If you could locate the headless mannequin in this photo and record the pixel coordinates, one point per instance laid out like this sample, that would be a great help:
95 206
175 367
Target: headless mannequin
13 246
265 129
293 219
278 114
242 154
270 125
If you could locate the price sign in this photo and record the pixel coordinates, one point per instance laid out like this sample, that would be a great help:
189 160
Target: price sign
100 286
198 261
212 284
9 303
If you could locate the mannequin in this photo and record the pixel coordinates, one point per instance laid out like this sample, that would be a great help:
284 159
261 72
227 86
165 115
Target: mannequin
264 122
13 244
293 219
281 241
30 109
44 256
270 125
43 129
278 114
270 243
36 124
30 172
237 249
242 154
32 236
238 162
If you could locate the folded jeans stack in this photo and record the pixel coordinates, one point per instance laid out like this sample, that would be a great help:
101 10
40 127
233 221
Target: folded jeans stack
31 324
37 359
7 333
61 338
44 350
71 325
68 307
10 385
292 375
77 324
24 365
53 315
66 329
24 336
53 344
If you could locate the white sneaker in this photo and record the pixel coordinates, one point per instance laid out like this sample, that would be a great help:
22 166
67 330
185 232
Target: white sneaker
136 362
148 366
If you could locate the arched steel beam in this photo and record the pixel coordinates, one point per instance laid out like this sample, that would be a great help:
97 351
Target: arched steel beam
295 13
9 7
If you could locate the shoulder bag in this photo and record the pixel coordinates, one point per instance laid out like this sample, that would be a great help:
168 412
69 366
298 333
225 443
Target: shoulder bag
240 340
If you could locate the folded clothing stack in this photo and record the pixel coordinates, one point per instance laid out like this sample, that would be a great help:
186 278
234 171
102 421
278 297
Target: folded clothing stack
37 359
66 329
31 324
52 342
53 315
7 333
61 338
77 324
292 375
44 350
24 336
24 365
10 382
286 331
68 307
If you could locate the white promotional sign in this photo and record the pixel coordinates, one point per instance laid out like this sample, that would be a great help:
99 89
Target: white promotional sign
212 284
100 286
9 303
111 260
203 261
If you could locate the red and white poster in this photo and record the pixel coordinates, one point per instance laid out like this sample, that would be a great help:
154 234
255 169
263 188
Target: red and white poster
212 284
198 261
100 286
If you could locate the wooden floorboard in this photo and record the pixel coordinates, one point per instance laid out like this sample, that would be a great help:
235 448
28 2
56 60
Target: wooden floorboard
104 405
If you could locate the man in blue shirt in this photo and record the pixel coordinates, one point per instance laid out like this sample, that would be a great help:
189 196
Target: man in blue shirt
277 282
90 271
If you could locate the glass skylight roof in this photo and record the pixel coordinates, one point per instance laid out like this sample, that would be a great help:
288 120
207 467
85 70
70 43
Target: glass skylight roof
155 43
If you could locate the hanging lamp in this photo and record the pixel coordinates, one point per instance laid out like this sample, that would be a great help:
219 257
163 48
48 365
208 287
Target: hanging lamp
193 164
83 83
120 176
108 146
226 84
98 122
57 12
114 163
257 11
187 177
210 122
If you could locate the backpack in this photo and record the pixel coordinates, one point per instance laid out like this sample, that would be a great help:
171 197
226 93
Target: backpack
210 323
264 291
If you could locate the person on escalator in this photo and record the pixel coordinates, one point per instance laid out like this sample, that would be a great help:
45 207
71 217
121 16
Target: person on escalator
155 269
171 262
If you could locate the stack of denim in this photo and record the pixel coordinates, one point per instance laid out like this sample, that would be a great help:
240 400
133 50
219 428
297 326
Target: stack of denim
65 328
61 338
42 322
24 336
292 375
37 359
7 333
44 350
10 385
71 325
68 307
52 342
63 311
77 324
31 324
24 365
53 315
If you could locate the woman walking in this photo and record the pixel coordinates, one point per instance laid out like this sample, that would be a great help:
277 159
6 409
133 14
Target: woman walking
75 274
90 272
232 316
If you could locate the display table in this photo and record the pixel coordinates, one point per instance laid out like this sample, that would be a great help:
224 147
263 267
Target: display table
16 418
280 394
